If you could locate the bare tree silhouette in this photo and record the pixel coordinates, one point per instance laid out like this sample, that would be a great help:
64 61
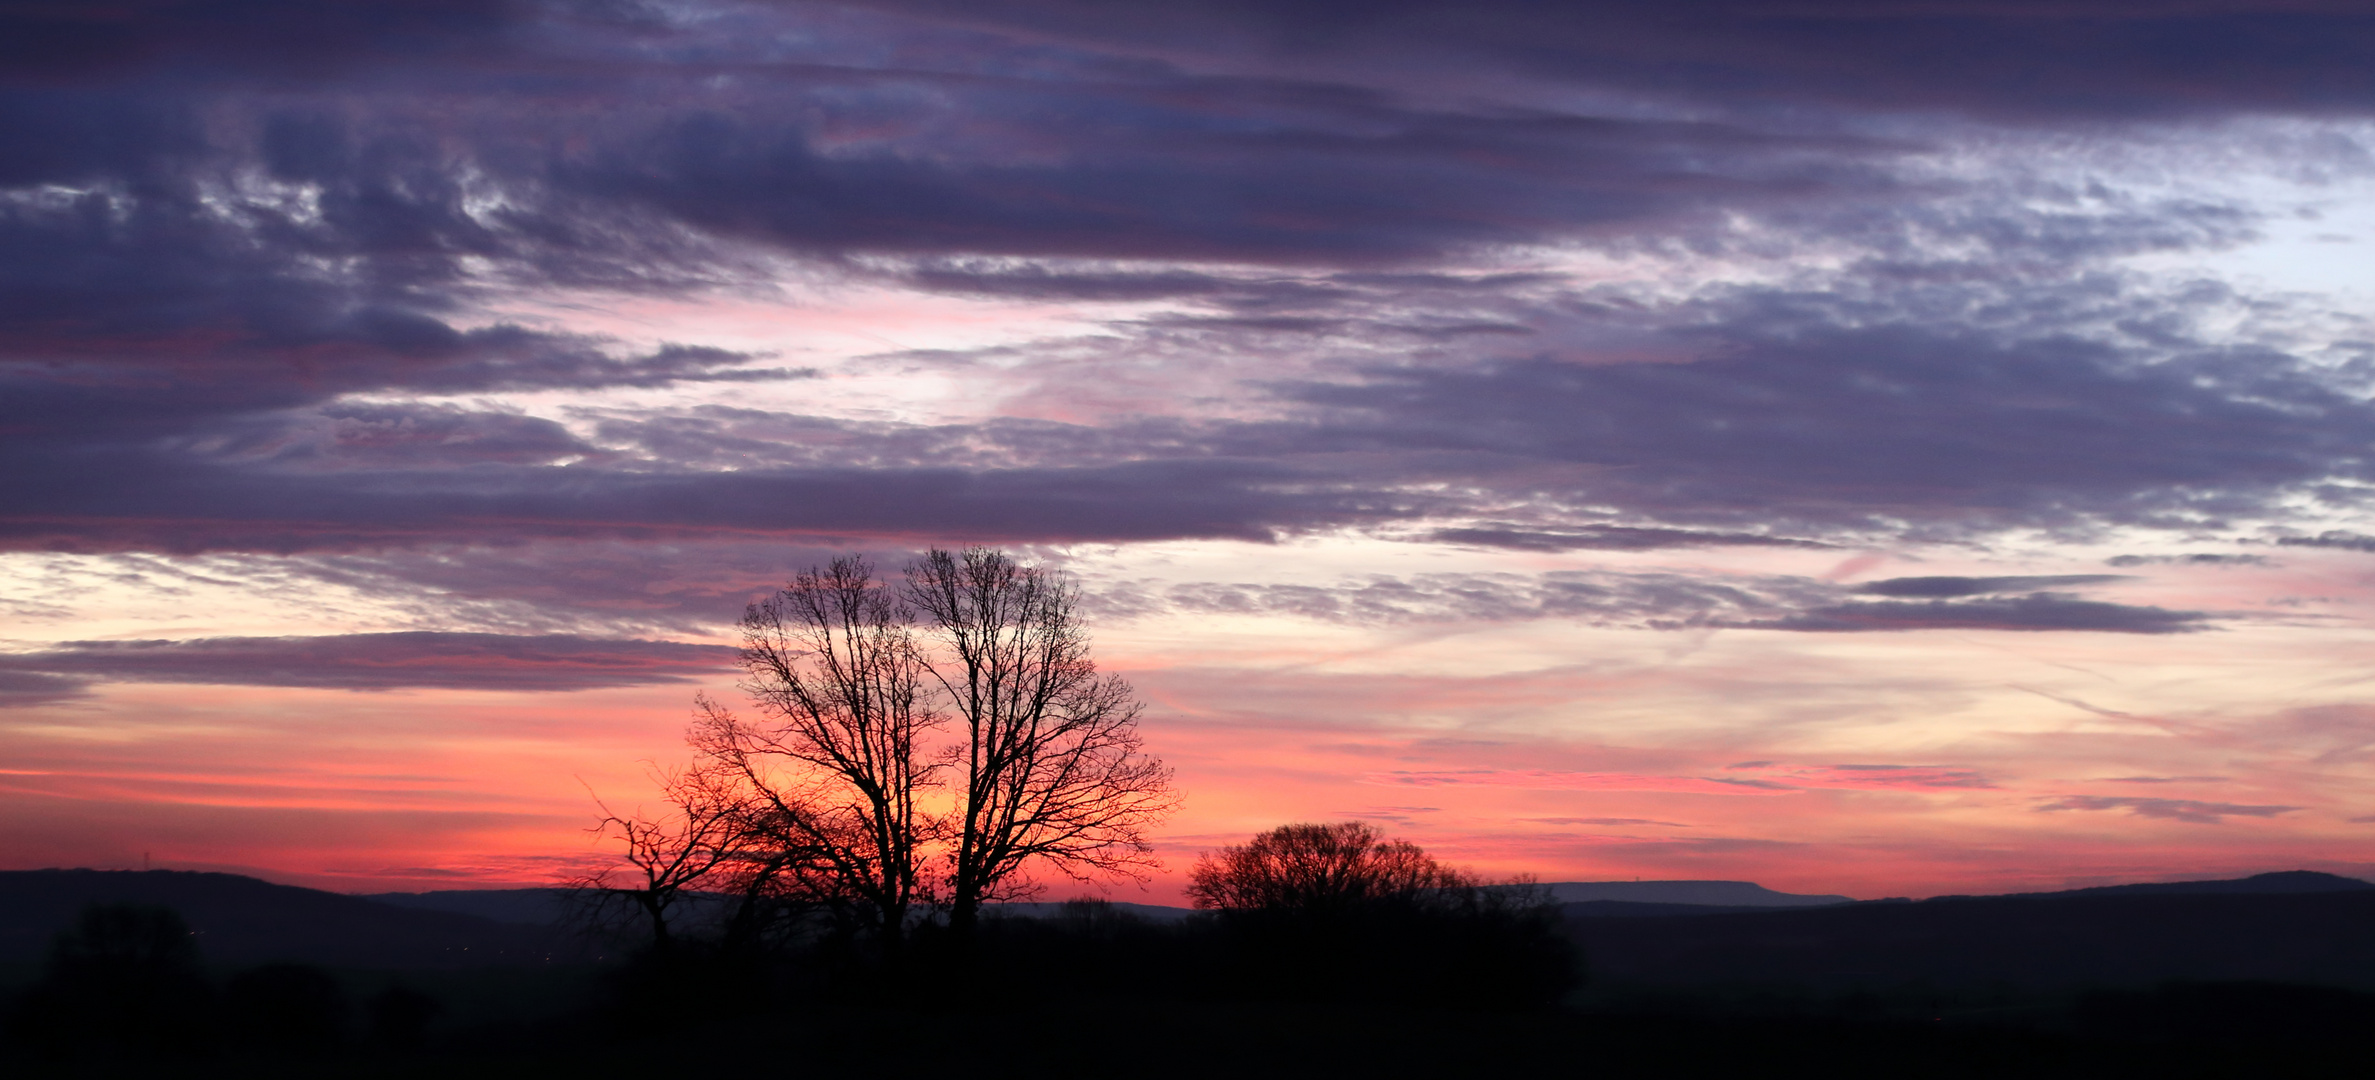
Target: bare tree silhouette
822 800
833 769
1051 762
707 836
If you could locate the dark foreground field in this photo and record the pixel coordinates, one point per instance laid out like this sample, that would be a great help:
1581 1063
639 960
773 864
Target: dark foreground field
2152 1034
2265 981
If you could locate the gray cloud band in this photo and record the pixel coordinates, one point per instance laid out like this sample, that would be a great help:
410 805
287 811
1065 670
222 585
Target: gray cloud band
460 661
1666 601
569 662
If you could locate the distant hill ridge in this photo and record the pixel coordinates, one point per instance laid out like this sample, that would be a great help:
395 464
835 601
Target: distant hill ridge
547 906
519 907
1707 893
1638 899
241 920
2282 881
543 906
2293 927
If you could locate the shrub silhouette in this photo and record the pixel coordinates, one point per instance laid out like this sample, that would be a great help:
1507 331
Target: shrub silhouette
1339 912
1321 871
124 979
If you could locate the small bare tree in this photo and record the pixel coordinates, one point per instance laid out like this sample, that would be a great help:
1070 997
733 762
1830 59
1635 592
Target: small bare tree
835 765
1051 762
672 859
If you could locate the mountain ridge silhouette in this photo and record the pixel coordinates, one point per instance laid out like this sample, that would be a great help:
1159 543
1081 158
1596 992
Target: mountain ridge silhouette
1700 893
242 920
2297 927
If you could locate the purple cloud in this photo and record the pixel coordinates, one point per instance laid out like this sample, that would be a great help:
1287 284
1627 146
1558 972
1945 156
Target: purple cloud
1957 587
2187 810
2012 59
2332 538
528 663
1609 538
226 223
1653 600
2037 612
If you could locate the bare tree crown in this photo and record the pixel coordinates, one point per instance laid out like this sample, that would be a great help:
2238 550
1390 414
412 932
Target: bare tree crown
1052 762
969 685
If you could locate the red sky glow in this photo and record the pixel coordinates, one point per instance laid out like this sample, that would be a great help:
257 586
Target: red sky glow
1637 441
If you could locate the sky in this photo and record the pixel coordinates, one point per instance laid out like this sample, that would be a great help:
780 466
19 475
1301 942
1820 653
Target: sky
1877 447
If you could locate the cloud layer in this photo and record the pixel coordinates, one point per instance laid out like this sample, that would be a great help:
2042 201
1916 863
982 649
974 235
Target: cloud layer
451 661
1883 415
218 249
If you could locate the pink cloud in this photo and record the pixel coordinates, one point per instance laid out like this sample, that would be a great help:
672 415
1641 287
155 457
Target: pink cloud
1574 781
1900 777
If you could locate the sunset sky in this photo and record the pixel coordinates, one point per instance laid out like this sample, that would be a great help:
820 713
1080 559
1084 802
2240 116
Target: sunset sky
1881 447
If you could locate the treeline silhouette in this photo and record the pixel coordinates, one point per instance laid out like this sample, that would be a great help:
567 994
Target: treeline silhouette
1373 978
127 982
1361 922
1310 914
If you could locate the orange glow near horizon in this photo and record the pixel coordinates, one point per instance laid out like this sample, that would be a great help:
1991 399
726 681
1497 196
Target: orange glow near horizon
1898 765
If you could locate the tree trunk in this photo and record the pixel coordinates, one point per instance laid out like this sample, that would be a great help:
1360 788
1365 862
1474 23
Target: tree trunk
964 918
659 923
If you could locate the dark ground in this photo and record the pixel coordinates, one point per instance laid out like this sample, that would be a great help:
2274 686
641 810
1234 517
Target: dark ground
1089 1037
2244 982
